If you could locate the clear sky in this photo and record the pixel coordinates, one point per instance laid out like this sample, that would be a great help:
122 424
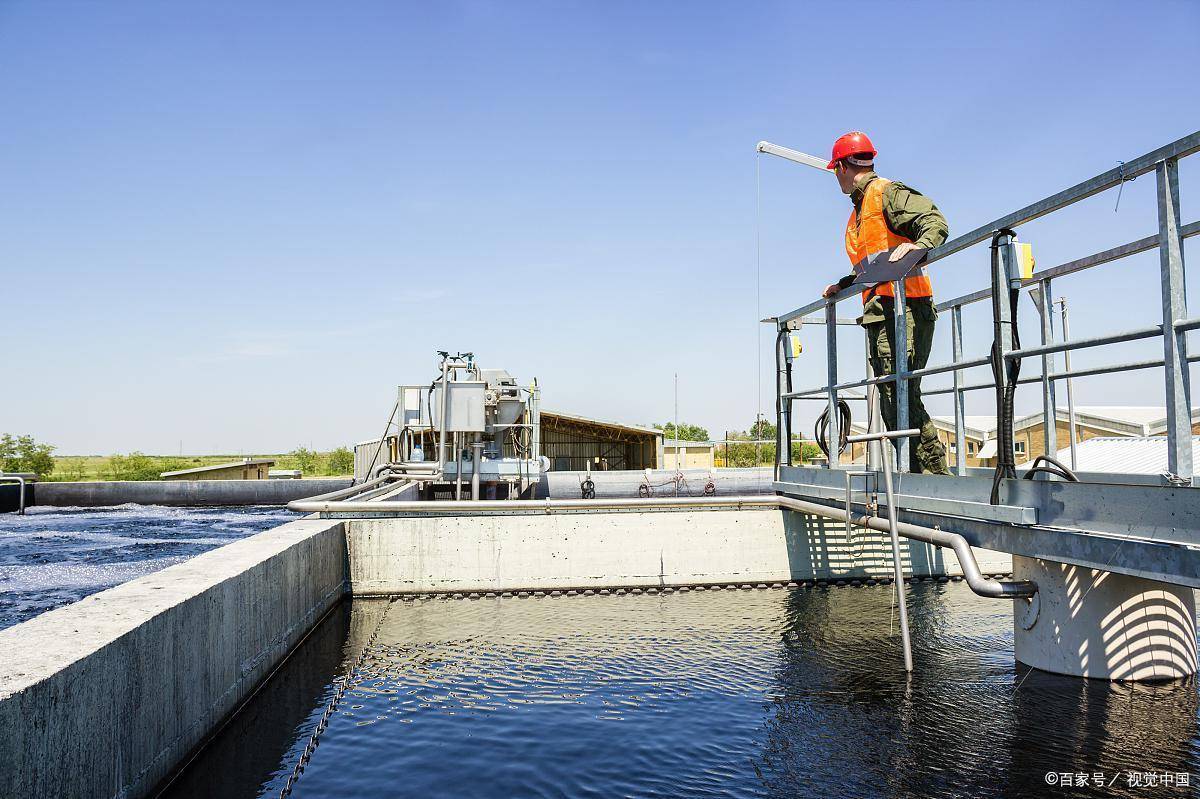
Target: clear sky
236 226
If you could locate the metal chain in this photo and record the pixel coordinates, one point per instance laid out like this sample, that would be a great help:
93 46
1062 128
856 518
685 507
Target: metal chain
351 679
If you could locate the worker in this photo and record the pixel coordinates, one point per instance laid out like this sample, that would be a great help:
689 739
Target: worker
888 215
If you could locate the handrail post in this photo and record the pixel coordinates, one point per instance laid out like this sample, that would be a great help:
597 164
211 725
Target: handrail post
1049 404
874 423
1174 306
960 425
831 375
900 359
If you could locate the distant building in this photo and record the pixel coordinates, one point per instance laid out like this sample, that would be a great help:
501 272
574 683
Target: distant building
573 443
1091 421
687 454
248 469
1120 454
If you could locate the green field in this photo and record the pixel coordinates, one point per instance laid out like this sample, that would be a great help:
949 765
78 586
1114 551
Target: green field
137 466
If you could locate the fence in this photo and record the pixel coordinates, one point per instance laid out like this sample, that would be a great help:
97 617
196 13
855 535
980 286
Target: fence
1164 162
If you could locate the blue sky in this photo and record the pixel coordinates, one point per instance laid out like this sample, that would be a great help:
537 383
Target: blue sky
235 227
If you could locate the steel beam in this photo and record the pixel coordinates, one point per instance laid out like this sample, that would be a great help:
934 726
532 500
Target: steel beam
1174 306
831 372
900 360
1049 406
960 428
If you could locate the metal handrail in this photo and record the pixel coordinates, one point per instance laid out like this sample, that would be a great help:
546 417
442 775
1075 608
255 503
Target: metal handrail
1077 265
1180 148
21 482
1163 161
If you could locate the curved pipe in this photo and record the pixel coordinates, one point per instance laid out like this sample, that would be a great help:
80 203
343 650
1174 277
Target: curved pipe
409 467
962 548
20 491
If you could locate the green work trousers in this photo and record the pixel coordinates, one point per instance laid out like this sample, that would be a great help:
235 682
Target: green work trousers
928 455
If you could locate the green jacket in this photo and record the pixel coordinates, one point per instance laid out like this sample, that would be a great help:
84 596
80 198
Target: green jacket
910 214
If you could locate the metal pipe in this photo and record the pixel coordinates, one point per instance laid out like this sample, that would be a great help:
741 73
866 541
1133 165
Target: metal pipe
20 490
1072 437
1082 343
476 462
1077 265
897 564
1049 396
900 365
909 433
794 155
962 548
960 411
458 463
877 380
445 398
1131 366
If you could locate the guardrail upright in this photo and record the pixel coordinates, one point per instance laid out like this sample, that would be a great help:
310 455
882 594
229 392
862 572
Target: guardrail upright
831 373
900 386
1174 312
1049 404
960 424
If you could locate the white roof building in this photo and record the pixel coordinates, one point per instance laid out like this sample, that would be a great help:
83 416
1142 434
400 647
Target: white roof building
1120 454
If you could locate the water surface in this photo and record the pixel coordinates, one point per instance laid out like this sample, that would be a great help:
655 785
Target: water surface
54 556
732 693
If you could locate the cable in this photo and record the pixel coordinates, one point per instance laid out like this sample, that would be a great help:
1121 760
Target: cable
822 427
1053 467
1006 467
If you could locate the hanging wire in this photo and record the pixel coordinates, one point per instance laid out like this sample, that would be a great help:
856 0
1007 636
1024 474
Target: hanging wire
758 348
1121 184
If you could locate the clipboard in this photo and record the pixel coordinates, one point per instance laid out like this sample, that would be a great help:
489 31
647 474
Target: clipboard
881 270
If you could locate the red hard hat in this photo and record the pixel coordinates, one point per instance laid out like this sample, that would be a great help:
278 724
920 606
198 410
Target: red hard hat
850 144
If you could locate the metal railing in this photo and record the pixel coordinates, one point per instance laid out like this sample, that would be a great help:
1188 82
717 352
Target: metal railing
21 483
1164 162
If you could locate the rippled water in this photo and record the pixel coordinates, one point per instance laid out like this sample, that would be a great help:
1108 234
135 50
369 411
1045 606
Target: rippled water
54 556
774 693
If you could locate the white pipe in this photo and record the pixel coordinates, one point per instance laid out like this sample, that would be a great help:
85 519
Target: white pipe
794 155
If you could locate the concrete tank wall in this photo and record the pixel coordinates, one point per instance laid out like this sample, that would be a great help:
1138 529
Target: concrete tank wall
726 482
104 697
539 550
184 492
1092 623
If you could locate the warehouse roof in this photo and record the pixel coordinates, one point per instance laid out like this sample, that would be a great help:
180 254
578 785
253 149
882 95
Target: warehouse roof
218 466
584 420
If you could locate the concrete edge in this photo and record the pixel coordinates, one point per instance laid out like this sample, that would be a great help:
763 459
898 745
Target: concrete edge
208 493
102 698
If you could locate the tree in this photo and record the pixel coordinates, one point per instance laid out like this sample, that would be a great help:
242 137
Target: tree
134 466
763 430
687 432
306 459
23 454
72 469
341 461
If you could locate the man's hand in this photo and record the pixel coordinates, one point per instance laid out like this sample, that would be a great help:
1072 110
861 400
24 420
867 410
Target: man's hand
904 249
830 290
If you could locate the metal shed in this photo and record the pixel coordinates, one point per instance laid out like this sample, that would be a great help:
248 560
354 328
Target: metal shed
572 443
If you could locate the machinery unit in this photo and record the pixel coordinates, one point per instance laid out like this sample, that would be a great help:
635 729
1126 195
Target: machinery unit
469 426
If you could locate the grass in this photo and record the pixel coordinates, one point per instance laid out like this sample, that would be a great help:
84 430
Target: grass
100 467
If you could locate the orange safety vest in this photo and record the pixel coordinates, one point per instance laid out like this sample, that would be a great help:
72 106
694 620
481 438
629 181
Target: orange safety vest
869 234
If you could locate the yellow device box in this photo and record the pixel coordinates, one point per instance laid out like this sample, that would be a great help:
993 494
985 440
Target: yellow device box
1023 255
